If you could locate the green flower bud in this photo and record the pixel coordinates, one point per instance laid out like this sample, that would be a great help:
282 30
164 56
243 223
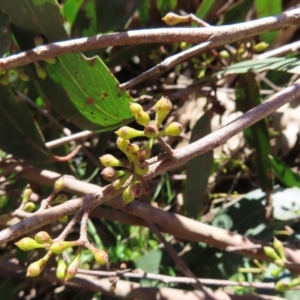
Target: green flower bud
61 269
122 144
29 207
109 160
42 238
151 131
61 198
279 262
118 183
141 168
40 71
281 286
37 267
132 151
61 246
38 41
101 256
128 133
63 219
50 60
59 184
73 267
27 244
174 129
142 118
173 19
261 46
23 76
135 108
276 272
269 251
224 54
278 246
111 174
127 196
295 282
136 189
162 108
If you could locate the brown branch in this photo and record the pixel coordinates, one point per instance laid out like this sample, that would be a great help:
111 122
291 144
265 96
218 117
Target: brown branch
125 289
216 36
177 225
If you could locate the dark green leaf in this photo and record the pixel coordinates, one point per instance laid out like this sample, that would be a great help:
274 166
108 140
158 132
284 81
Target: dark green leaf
268 8
19 135
198 170
5 35
82 90
284 173
248 96
291 65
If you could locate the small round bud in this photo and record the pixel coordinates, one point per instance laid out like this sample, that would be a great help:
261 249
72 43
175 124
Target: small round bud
122 144
111 174
50 60
174 129
276 272
109 160
37 267
42 237
141 168
132 151
61 246
27 192
59 184
27 244
151 131
224 54
63 219
29 207
281 286
278 246
142 118
261 46
173 19
127 196
73 267
136 189
162 108
4 79
269 251
61 198
128 133
279 263
144 153
61 269
101 256
38 41
118 183
23 76
135 108
40 71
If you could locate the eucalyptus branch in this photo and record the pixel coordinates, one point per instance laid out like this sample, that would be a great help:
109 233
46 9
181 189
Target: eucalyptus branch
140 274
214 36
129 290
177 225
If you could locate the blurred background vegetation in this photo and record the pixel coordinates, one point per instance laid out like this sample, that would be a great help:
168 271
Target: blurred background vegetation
226 188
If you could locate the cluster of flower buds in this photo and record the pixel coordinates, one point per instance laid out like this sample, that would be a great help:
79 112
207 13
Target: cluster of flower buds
276 253
64 271
137 156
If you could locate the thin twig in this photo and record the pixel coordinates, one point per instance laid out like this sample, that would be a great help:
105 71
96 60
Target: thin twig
217 35
140 274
